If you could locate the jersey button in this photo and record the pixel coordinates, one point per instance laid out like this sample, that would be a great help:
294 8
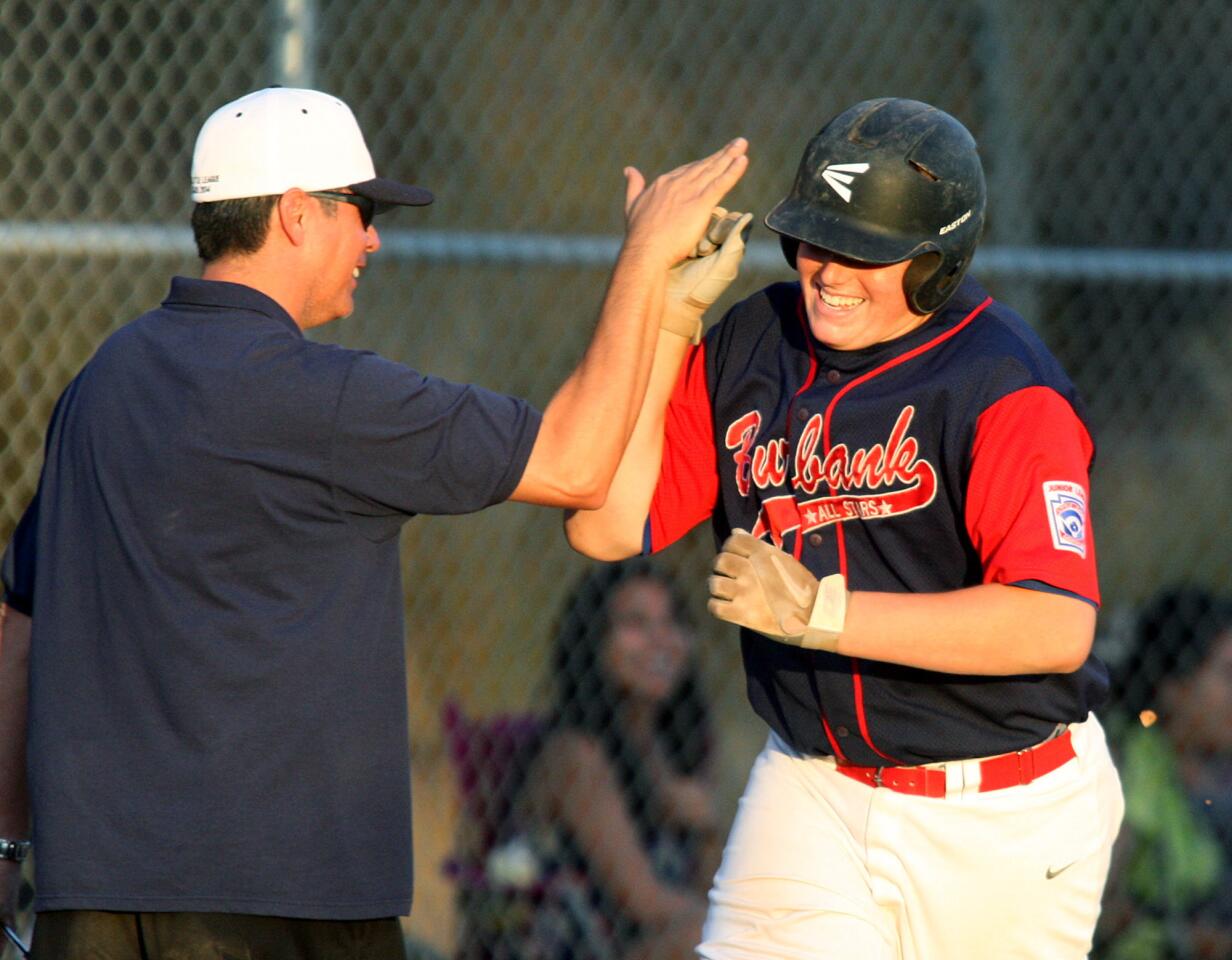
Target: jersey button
801 414
834 376
814 539
842 731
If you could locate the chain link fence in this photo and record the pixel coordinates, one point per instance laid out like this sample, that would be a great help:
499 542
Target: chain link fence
1105 127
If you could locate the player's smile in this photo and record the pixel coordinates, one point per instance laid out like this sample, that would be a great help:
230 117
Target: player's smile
839 303
850 304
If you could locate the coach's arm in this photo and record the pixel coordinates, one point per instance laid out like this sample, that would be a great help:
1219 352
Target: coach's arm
14 803
614 531
588 422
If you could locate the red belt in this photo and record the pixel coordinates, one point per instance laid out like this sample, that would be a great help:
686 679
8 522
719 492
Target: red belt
996 773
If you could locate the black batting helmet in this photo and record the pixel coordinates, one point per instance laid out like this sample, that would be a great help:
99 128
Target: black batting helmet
885 181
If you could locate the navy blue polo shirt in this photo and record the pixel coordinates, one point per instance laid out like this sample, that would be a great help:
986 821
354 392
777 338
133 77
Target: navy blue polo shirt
218 695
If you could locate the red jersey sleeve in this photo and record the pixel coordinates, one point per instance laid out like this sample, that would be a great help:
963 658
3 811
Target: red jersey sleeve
1027 509
688 476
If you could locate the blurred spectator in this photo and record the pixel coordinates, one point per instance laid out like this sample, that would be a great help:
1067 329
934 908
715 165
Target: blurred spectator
609 839
1170 892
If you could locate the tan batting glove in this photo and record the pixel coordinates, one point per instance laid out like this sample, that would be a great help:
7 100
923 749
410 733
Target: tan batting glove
757 585
700 279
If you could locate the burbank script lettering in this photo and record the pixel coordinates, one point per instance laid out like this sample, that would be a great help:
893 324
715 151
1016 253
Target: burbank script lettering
843 472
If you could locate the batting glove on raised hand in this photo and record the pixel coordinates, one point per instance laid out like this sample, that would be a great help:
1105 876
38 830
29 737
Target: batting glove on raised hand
696 282
757 585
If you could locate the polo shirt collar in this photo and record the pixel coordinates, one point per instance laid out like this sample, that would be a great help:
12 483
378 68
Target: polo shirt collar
220 294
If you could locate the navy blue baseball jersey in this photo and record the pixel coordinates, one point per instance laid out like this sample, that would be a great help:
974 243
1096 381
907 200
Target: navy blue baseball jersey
952 456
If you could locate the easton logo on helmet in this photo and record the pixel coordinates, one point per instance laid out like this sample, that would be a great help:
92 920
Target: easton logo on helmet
955 225
838 175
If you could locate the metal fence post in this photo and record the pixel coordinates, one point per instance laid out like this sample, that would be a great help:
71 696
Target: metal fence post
294 42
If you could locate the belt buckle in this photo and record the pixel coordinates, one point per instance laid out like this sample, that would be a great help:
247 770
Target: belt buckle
1026 766
877 776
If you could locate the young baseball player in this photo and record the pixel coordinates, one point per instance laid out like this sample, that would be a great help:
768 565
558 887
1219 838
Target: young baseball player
897 470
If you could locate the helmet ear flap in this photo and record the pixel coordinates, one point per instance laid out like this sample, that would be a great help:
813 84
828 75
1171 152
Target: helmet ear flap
789 245
921 294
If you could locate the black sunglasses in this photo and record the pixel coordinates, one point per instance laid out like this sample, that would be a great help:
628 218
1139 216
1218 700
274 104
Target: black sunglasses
367 207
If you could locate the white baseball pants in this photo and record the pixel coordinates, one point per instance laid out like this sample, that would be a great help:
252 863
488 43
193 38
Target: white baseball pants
819 865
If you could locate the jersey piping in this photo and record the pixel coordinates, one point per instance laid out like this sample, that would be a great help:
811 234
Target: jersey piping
857 679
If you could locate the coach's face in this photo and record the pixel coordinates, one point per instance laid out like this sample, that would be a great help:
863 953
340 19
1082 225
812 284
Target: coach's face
340 250
851 305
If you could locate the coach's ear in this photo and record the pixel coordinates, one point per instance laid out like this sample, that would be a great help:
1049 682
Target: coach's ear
290 215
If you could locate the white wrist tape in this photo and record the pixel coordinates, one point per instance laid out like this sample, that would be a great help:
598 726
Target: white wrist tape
829 614
682 322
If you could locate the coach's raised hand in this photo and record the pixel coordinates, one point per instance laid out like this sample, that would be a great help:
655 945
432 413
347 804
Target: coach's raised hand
672 214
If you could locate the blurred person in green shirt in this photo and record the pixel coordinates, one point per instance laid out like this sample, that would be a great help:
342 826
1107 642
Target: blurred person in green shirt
1170 892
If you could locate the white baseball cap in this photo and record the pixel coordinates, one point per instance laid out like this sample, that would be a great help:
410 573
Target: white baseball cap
269 141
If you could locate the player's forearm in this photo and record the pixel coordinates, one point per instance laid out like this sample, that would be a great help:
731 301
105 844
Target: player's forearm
993 630
614 530
14 678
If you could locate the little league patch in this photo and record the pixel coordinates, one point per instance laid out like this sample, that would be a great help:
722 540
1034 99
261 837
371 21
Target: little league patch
1067 515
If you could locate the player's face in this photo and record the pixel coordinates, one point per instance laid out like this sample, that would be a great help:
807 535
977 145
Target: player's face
851 305
343 245
647 647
